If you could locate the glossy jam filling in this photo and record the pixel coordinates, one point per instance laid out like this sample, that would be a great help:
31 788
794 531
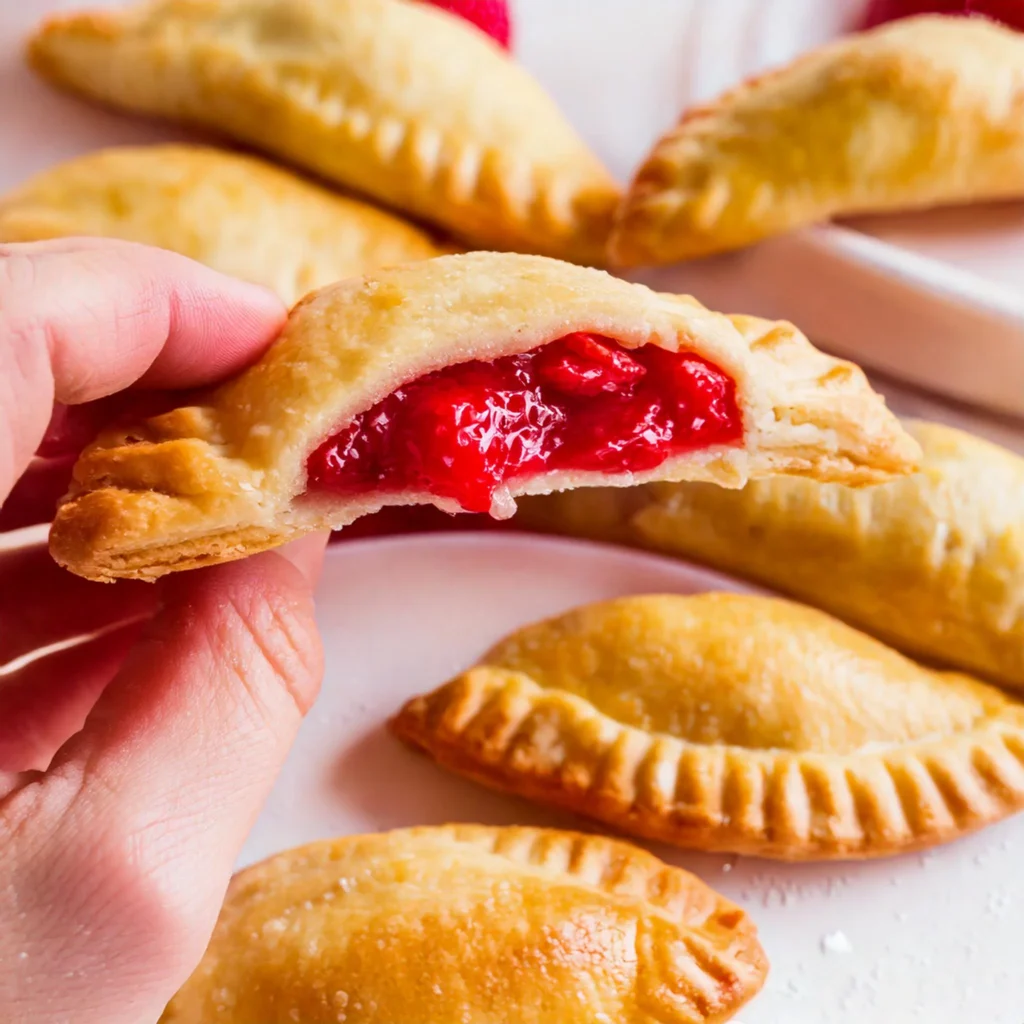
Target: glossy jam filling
579 403
1009 12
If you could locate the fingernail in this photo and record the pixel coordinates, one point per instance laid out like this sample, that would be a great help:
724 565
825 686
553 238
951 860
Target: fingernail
307 554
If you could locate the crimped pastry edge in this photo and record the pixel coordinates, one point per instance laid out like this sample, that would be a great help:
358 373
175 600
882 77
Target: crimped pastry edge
650 210
564 211
613 866
721 943
503 730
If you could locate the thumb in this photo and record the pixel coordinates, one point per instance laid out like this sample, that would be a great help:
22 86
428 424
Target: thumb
152 802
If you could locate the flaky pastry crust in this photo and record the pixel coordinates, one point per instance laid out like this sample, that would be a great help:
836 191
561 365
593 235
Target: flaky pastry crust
922 112
932 564
731 723
235 213
394 98
469 923
225 478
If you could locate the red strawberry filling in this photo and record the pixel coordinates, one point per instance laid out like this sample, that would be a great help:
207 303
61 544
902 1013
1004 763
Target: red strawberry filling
1009 12
490 16
579 403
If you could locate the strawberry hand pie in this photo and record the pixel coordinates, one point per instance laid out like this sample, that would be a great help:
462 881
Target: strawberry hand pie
462 382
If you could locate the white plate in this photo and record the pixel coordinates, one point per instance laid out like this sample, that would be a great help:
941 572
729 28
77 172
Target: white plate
934 938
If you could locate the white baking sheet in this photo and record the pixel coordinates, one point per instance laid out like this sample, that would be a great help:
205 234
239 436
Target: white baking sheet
937 938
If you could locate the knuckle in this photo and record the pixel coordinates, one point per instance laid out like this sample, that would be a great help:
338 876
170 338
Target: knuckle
280 632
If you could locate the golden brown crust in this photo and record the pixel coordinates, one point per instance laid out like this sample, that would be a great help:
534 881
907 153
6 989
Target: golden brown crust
476 146
923 112
197 483
932 564
465 922
235 213
730 723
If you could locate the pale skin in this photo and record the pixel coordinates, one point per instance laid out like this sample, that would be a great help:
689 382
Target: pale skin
132 767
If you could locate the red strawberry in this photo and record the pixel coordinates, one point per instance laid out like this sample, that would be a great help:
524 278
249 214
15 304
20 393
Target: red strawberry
1009 12
491 16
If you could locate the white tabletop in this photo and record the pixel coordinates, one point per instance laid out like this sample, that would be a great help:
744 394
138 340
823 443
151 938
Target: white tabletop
933 938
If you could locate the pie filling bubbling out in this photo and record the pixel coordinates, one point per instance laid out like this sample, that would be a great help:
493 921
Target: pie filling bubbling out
582 402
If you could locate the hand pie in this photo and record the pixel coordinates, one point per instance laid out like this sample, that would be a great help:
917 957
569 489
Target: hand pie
462 381
730 722
401 101
468 923
235 213
919 113
933 563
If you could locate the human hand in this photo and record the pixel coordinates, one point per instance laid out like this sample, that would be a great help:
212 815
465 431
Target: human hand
133 765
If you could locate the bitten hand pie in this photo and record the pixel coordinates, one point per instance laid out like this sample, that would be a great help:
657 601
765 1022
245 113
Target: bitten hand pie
237 214
403 102
733 723
463 381
933 563
919 113
467 923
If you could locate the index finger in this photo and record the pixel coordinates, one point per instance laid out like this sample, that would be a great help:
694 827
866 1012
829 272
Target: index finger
81 319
